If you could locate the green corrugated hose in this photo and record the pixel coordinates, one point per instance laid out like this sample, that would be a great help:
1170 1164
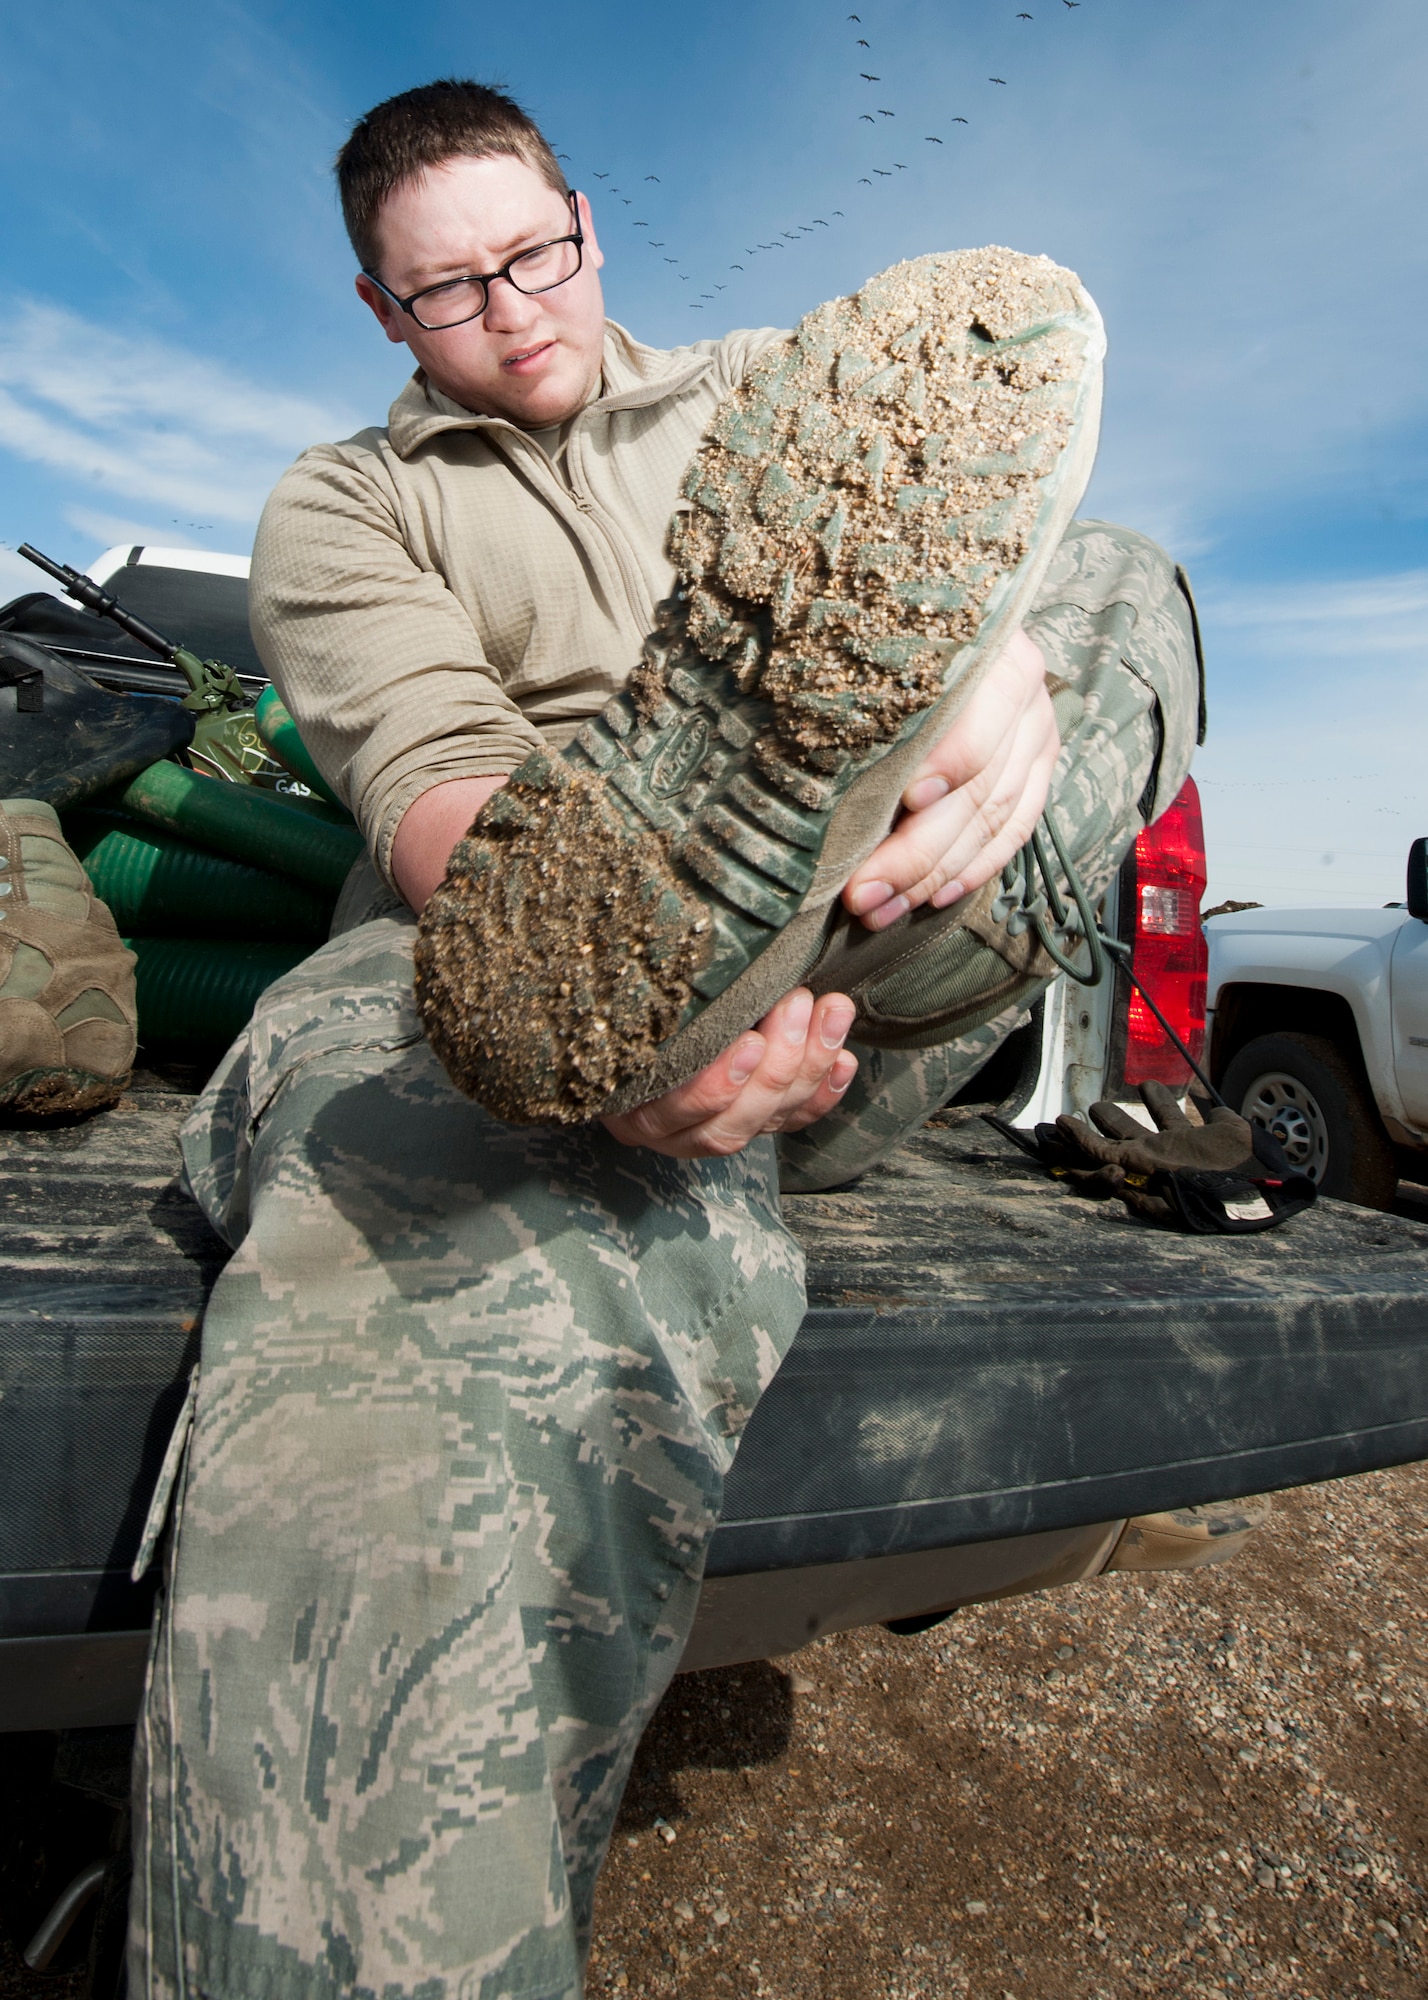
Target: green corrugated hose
203 989
309 802
243 822
155 883
280 733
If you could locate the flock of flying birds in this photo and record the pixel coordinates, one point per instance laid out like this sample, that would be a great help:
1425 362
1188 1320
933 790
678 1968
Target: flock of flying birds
783 238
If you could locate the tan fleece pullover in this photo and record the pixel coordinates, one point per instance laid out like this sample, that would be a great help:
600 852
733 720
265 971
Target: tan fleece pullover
433 599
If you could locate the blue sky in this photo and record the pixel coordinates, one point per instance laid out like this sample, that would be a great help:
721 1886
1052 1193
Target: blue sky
1242 187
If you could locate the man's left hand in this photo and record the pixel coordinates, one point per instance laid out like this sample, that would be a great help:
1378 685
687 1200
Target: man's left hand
975 799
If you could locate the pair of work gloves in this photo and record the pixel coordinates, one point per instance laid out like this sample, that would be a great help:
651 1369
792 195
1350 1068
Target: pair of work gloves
1222 1177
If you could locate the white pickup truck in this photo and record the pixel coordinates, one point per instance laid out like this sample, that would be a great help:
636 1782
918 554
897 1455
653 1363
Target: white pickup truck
1318 1028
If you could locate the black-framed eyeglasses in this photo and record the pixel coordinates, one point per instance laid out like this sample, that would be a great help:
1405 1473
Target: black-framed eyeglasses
539 269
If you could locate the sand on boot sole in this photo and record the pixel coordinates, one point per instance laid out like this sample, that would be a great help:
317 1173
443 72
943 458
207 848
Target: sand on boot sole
856 501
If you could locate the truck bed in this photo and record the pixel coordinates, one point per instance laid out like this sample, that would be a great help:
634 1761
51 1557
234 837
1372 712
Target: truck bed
992 1374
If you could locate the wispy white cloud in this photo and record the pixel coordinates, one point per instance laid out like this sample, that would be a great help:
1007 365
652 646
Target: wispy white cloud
17 577
138 417
1377 616
111 531
1312 777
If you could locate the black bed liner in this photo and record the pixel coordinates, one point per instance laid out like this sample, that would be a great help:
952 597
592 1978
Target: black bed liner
984 1355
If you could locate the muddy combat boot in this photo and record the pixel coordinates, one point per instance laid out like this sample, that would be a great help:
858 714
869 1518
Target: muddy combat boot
865 525
67 1013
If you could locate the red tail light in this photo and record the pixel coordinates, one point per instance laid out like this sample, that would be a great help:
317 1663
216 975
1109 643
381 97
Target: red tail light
1171 956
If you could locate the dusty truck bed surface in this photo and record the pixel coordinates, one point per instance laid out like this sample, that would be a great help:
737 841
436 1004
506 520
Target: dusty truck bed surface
985 1357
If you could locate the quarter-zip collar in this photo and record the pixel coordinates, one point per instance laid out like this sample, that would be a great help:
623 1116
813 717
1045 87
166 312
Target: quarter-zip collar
634 377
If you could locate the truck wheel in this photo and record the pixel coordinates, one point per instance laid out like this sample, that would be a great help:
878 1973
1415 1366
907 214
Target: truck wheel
1304 1090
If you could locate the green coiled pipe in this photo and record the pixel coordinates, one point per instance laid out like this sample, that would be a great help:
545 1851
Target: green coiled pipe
203 989
156 883
309 802
280 733
243 822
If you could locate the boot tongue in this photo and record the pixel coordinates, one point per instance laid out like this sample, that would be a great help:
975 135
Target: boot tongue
42 870
31 809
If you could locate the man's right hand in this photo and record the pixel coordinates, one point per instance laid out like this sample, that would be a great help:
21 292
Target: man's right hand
788 1072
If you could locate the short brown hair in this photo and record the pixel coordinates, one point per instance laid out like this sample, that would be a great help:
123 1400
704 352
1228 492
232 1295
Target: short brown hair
440 121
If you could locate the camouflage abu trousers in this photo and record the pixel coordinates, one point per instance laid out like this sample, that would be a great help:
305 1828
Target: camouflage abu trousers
467 1400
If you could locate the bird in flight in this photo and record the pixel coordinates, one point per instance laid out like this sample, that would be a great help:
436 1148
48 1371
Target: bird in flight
820 222
866 118
901 165
562 156
856 17
886 114
862 44
736 267
1023 17
887 176
654 245
655 177
863 181
1070 3
671 260
721 288
602 177
684 278
869 79
996 79
642 225
959 121
838 211
933 140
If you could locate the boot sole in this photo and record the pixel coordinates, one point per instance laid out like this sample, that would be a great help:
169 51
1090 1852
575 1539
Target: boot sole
60 1093
866 523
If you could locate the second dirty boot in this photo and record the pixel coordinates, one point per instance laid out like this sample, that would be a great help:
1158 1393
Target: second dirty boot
68 1022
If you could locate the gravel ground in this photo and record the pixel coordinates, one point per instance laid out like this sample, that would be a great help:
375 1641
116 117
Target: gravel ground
1194 1784
1203 1783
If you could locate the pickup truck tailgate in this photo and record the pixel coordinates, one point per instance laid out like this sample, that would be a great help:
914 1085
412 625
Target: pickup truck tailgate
985 1355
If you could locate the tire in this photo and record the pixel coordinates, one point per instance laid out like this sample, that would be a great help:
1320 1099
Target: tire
1315 1101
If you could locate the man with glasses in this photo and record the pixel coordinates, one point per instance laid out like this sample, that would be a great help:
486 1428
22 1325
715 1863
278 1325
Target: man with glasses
469 1391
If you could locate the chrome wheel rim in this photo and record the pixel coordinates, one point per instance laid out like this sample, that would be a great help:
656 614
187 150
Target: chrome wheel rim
1289 1109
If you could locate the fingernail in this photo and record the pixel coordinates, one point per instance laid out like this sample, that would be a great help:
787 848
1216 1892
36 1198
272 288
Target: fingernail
838 1088
836 1023
925 792
879 919
745 1059
867 895
797 1017
950 892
